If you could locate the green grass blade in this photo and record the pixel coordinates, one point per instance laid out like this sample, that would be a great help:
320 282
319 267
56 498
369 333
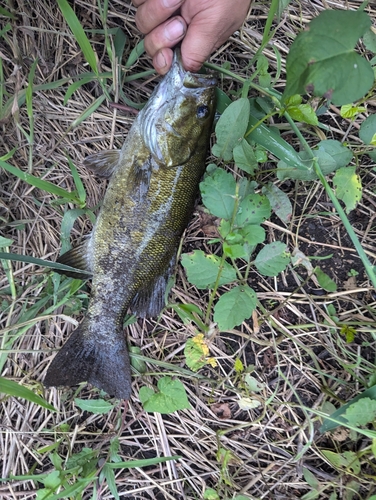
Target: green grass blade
10 154
77 182
40 183
11 388
6 13
41 262
79 34
67 223
137 76
120 40
141 463
135 54
85 114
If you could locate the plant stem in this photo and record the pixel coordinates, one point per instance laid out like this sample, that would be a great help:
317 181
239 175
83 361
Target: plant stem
367 264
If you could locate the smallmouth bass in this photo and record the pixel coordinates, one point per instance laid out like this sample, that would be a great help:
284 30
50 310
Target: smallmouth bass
132 249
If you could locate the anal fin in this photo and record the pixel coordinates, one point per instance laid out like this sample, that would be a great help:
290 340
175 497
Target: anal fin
150 300
103 163
79 258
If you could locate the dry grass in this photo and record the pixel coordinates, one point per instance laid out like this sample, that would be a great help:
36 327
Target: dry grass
293 344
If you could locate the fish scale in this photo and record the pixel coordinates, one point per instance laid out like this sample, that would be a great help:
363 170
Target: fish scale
132 250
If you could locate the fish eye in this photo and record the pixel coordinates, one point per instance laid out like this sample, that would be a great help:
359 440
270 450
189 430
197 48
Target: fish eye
202 111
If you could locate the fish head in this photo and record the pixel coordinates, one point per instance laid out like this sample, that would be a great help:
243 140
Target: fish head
178 115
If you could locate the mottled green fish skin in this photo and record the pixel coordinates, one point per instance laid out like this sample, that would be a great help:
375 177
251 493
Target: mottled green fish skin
147 206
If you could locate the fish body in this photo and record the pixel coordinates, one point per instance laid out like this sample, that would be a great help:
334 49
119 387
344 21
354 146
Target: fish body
132 250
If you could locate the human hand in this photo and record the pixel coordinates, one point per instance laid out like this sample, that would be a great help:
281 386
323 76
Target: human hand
203 25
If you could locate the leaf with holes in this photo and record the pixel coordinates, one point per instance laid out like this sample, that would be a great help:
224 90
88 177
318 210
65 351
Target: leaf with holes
202 269
231 128
322 59
253 209
218 193
279 201
244 157
348 187
362 412
272 259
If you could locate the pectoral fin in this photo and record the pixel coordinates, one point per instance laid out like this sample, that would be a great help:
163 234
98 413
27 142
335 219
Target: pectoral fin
103 163
78 257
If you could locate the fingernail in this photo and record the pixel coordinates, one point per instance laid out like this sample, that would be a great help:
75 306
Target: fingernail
174 30
170 4
160 60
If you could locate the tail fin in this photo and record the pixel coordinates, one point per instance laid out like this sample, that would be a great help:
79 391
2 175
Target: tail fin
101 361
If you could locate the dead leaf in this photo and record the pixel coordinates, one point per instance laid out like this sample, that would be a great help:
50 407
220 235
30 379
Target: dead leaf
222 410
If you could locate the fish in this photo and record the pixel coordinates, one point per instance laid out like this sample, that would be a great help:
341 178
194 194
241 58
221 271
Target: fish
131 252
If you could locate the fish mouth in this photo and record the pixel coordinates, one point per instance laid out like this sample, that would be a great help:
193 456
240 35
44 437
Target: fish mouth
187 78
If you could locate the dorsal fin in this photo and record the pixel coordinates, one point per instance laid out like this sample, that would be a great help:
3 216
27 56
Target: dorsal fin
103 163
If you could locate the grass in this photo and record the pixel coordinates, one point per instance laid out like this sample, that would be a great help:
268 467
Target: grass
294 348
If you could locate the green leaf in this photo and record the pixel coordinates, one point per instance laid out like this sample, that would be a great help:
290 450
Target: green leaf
6 13
303 113
331 156
96 406
253 209
137 364
11 388
114 449
328 425
369 40
348 187
350 111
325 281
322 59
244 157
196 352
270 139
345 460
279 201
109 474
252 235
218 193
52 481
362 412
202 269
222 100
253 384
368 129
171 396
272 259
79 34
5 242
310 478
238 366
231 128
234 307
211 494
348 332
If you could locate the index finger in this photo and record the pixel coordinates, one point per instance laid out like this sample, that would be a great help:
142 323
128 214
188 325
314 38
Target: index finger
151 13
